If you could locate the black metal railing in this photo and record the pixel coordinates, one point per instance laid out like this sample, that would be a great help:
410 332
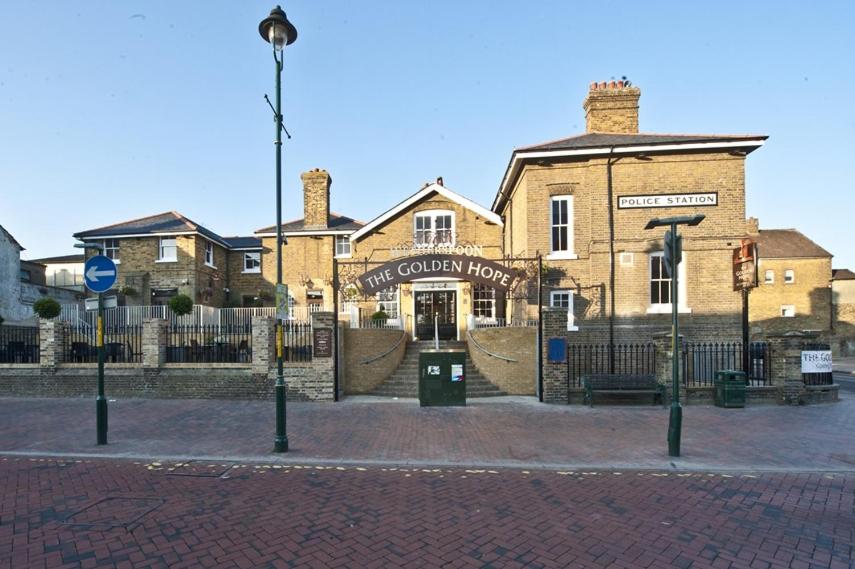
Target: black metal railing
701 360
627 359
122 344
194 343
817 378
297 342
19 345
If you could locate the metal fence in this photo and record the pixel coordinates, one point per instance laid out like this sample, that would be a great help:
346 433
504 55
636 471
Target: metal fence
701 360
583 359
194 343
122 344
19 345
477 323
297 342
201 315
817 378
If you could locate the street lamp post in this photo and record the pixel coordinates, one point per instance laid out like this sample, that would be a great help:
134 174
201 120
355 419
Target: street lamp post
673 252
279 32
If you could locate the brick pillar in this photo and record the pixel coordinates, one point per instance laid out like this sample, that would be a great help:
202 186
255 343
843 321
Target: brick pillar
786 371
52 335
554 374
664 362
263 345
320 386
154 343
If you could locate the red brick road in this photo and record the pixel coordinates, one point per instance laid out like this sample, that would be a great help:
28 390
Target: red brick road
285 516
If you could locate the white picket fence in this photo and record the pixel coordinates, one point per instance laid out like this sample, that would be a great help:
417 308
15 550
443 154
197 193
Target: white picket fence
476 323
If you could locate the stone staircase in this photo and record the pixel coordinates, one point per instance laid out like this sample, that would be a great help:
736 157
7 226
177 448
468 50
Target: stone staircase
404 381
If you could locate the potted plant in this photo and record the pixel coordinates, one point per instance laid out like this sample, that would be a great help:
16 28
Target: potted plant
47 308
181 304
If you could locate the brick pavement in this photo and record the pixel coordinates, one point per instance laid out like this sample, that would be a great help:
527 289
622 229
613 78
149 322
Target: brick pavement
111 513
514 432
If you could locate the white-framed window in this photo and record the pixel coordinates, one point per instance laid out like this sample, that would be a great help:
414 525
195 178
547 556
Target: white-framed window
252 262
387 301
342 246
561 227
789 276
483 301
660 286
168 250
564 299
769 277
788 310
433 228
209 253
111 249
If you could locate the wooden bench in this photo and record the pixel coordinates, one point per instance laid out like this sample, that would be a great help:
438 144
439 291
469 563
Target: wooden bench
622 384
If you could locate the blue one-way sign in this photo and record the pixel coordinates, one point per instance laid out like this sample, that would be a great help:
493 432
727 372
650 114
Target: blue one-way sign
100 273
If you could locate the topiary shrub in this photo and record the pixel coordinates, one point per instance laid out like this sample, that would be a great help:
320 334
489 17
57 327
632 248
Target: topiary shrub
47 308
181 304
379 315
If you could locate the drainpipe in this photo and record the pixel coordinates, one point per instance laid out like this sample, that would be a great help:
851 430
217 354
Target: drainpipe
609 163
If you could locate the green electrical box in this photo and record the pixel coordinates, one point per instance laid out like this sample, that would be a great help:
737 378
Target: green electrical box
442 377
730 388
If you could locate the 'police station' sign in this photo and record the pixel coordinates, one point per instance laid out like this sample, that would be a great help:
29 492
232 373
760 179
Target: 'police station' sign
476 269
668 200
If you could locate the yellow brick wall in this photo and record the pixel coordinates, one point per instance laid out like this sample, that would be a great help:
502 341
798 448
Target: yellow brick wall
248 284
810 293
304 258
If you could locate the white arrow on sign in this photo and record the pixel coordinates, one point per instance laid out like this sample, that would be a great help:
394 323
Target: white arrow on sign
93 273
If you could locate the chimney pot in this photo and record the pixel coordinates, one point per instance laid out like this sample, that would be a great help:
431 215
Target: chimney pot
620 84
439 181
612 107
593 85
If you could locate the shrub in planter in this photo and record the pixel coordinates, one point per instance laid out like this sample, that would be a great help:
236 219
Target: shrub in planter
181 304
128 291
46 308
379 315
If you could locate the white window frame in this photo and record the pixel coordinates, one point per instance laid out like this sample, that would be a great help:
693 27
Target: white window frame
769 277
257 257
788 308
569 253
111 250
433 214
160 246
209 248
789 276
390 302
341 239
571 305
682 300
487 302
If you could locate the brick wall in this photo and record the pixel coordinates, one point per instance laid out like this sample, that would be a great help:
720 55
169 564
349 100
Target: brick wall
809 293
612 107
316 198
362 370
250 284
517 377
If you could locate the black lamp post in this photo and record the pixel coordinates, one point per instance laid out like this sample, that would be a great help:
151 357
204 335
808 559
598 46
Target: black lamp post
279 32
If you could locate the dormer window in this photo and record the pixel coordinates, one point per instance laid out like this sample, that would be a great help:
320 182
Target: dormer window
434 228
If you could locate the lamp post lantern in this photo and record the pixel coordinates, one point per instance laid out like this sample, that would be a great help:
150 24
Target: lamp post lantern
672 254
279 32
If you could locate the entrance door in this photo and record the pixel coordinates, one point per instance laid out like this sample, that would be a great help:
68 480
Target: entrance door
441 303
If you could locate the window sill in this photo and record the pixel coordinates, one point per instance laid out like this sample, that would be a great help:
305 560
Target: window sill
256 272
116 261
166 260
666 309
210 266
572 328
343 256
562 257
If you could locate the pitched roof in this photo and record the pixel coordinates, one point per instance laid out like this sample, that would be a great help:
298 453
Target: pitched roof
602 139
785 244
11 239
169 222
337 224
243 242
419 196
76 258
842 275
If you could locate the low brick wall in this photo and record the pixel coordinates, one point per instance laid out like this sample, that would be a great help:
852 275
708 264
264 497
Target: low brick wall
518 377
362 369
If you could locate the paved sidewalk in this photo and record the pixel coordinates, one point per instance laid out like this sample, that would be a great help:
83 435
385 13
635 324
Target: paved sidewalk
507 432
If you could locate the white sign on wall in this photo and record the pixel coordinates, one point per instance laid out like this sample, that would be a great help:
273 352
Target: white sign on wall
816 361
668 200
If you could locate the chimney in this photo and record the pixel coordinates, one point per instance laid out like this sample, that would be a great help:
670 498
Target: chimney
612 107
752 225
316 198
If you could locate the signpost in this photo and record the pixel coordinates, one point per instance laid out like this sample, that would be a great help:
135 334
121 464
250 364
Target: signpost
99 276
744 279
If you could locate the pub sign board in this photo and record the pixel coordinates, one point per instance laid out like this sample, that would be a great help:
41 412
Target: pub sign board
476 269
816 361
745 265
322 342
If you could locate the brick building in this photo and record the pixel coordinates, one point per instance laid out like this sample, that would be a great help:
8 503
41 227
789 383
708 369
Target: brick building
582 202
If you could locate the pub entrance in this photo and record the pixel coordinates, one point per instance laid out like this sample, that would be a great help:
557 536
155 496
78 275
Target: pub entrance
436 303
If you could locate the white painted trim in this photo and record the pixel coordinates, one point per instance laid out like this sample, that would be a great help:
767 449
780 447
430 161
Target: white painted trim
682 294
571 227
416 197
571 310
562 256
166 234
518 157
433 214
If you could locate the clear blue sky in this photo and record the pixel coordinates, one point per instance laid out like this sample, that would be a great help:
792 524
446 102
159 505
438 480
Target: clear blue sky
115 110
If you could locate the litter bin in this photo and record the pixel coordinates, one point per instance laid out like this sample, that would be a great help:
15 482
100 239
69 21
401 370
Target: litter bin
442 375
730 388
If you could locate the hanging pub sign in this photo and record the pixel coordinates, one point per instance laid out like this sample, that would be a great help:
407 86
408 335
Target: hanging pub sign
475 269
745 265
